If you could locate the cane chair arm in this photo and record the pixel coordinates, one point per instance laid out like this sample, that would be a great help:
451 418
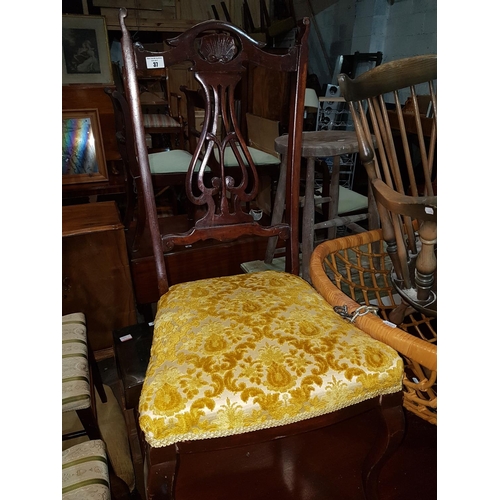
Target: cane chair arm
352 271
421 351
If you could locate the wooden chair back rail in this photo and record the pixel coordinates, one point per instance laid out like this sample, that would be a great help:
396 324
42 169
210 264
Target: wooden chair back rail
402 197
219 53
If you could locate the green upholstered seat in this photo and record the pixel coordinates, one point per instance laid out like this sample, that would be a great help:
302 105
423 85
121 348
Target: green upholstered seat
171 162
259 157
349 201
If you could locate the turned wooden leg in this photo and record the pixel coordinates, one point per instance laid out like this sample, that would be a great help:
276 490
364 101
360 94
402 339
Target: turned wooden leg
386 444
308 220
426 261
333 208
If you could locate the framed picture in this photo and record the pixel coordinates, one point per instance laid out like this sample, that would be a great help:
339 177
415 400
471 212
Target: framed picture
83 157
85 50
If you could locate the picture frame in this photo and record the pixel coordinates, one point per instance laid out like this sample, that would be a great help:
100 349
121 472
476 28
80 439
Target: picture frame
83 158
85 50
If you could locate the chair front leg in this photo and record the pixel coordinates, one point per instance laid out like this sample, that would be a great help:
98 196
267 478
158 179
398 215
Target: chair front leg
160 472
386 443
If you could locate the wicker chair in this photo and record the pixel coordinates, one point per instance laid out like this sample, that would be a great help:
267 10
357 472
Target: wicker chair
353 271
394 268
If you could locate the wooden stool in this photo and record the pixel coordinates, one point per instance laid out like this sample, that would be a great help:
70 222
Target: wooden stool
316 144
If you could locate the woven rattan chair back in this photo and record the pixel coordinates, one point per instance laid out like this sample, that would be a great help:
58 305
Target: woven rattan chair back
402 169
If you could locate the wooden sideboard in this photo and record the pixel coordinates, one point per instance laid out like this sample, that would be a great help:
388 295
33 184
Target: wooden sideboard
96 273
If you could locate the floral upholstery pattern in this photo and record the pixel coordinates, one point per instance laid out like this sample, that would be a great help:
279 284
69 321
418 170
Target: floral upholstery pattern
253 351
85 473
75 364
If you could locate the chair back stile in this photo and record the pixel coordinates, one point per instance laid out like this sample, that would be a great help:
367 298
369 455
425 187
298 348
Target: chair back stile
219 53
132 92
402 178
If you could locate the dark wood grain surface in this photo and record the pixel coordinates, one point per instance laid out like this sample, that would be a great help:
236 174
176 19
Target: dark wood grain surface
322 143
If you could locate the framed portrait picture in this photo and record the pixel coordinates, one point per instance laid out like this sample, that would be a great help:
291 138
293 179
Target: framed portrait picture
83 157
85 50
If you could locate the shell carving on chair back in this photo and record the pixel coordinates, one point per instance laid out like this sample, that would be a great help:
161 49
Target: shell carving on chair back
219 47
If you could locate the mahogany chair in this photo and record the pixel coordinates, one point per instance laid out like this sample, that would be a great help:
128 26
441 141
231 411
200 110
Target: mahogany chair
168 169
393 269
404 180
161 107
247 361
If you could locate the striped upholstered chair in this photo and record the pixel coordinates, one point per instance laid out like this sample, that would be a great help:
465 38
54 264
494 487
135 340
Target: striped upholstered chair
85 474
79 374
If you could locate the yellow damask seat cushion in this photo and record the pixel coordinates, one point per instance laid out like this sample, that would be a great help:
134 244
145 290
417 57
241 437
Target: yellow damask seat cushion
254 351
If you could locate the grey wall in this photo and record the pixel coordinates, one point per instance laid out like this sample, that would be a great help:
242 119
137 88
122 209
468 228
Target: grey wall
406 28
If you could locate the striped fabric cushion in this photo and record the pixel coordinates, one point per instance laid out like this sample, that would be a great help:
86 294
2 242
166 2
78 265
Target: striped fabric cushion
85 472
153 121
75 364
